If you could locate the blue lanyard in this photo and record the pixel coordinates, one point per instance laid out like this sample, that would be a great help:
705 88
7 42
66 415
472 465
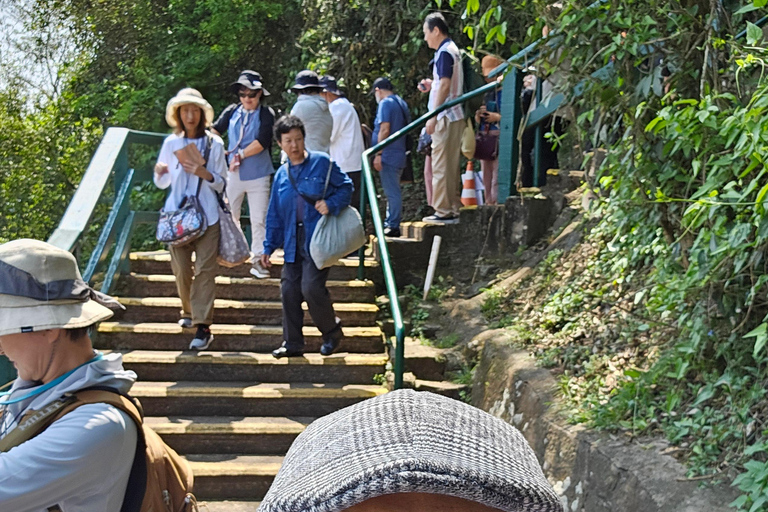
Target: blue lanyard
46 387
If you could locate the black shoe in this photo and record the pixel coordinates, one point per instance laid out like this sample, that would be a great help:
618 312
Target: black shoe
392 232
331 341
286 352
203 338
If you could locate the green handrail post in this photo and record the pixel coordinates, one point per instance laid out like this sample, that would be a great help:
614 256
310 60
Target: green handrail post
537 141
7 371
509 146
369 189
361 251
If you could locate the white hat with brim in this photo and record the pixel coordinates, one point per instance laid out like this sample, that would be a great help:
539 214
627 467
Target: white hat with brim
41 288
187 96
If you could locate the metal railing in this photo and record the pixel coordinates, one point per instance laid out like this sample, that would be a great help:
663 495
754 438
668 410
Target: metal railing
369 190
110 162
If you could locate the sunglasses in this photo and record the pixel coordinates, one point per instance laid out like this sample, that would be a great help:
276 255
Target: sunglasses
248 94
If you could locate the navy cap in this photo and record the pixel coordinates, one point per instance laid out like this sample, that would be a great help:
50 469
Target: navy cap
382 83
307 79
329 85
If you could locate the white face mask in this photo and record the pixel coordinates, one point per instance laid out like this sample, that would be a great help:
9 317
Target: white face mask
377 96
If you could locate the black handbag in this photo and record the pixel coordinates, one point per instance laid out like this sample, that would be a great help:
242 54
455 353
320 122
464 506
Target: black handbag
487 144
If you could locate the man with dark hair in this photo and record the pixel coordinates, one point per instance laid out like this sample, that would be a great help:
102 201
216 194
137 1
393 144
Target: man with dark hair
83 460
446 128
392 115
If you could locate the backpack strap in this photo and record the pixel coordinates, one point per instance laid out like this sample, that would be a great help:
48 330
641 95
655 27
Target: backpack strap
35 422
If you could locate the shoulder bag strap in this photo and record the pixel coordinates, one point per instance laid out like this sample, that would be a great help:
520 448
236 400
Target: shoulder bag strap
206 155
296 187
328 177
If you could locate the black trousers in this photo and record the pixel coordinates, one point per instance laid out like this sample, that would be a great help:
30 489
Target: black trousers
355 177
302 281
548 155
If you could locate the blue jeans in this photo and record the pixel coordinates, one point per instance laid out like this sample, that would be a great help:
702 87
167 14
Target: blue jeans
390 182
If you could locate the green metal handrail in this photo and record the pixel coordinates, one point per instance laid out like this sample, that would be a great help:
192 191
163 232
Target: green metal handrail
109 162
369 190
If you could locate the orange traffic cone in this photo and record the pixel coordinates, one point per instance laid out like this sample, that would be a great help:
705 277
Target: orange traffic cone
469 192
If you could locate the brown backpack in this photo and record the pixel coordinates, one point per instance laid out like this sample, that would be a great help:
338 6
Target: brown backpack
160 480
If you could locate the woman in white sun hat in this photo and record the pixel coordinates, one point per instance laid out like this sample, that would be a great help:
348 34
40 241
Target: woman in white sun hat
190 115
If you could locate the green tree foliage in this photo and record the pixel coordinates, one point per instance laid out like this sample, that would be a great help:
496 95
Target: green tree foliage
678 105
42 154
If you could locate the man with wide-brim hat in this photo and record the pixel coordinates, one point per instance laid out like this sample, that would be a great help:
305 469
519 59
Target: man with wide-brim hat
82 461
249 123
313 111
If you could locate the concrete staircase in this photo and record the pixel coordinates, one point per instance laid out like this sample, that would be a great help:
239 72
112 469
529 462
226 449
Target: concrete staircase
233 411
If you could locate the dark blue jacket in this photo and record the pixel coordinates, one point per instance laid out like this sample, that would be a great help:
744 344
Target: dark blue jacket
310 180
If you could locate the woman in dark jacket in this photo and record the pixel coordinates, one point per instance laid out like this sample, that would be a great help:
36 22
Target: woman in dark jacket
296 204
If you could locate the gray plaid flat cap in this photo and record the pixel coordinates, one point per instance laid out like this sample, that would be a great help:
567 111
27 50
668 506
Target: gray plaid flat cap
409 442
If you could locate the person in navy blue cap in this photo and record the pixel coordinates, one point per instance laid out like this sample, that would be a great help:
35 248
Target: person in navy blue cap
313 111
249 151
392 115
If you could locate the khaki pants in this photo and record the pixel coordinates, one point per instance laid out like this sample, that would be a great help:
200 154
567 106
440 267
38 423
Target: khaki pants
446 174
196 285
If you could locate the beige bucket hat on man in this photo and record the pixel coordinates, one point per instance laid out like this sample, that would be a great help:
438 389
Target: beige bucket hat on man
41 288
184 97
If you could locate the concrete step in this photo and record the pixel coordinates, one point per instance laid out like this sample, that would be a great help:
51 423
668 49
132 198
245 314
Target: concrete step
159 262
228 506
166 309
445 388
233 477
208 366
228 434
239 288
248 399
228 337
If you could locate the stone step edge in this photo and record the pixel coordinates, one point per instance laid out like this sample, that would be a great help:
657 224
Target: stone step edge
224 329
164 256
249 390
228 506
234 465
175 302
250 281
227 425
246 358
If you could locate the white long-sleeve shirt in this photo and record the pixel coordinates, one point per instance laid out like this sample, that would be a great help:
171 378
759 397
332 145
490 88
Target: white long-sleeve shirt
183 184
347 137
82 461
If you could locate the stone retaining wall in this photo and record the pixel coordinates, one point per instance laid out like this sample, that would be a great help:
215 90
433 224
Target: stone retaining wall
592 472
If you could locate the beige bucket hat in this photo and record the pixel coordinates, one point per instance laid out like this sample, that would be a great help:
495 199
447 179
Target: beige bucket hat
41 288
185 97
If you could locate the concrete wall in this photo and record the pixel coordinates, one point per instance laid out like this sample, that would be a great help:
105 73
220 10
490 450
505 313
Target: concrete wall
592 472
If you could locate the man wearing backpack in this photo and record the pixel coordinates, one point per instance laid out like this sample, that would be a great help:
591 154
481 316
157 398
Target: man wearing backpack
392 115
446 128
83 459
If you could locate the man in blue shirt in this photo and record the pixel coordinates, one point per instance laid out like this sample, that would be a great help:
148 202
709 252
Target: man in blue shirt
391 116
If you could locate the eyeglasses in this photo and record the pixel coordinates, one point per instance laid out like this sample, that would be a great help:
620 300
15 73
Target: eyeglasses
248 94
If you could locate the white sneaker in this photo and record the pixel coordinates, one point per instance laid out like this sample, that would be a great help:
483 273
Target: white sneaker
258 271
203 338
185 323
